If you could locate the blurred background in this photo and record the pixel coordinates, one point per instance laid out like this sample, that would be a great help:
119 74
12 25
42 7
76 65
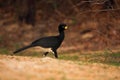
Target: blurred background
94 25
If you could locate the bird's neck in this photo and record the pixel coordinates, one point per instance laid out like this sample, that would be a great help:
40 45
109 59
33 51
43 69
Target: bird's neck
61 35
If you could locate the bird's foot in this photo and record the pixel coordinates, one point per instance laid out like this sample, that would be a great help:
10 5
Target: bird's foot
45 54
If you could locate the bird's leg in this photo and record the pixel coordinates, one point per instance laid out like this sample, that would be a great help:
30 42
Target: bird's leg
55 53
45 54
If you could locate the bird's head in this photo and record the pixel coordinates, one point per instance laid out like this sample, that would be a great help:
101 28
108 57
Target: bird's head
62 27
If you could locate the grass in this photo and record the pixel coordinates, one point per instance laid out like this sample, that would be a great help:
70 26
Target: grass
105 57
4 51
73 58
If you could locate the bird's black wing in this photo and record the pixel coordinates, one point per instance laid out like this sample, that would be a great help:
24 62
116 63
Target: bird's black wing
47 42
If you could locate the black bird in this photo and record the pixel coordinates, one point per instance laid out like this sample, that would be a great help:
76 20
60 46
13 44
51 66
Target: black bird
52 42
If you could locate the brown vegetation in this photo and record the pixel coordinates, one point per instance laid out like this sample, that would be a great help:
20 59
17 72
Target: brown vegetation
94 25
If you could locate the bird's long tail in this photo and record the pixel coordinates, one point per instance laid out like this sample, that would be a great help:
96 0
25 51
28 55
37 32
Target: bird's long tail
21 49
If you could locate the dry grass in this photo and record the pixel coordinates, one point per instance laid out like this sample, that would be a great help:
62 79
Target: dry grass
29 68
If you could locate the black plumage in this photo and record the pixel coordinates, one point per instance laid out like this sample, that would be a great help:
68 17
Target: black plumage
52 42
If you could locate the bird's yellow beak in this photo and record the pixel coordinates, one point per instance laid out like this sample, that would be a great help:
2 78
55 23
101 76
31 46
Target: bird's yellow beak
66 27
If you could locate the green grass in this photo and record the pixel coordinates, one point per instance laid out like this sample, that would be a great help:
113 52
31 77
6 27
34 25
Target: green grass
105 57
67 57
4 51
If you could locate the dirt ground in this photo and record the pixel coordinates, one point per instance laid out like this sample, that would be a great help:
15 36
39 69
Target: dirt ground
46 68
